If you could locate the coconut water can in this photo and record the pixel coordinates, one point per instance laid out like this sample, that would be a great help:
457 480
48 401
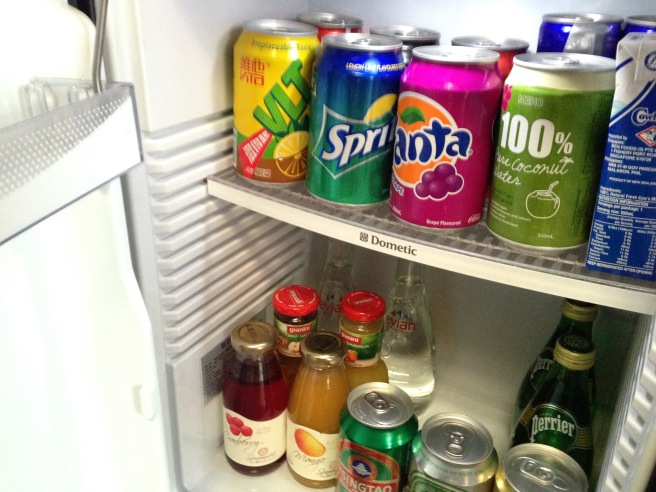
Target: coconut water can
623 233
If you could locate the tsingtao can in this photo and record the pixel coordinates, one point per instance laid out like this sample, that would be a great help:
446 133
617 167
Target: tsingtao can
453 452
539 468
328 23
449 99
507 48
352 118
272 89
410 36
592 34
376 431
550 148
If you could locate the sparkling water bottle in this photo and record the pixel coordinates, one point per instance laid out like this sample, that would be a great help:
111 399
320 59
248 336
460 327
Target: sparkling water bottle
408 340
336 281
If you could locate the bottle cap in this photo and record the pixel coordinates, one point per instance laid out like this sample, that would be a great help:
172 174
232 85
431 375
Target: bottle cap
296 300
254 338
362 305
323 349
579 310
574 352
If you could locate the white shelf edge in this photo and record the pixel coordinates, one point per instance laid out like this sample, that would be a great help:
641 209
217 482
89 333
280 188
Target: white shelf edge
642 300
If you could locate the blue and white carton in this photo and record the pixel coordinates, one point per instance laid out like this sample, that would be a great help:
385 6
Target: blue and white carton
623 233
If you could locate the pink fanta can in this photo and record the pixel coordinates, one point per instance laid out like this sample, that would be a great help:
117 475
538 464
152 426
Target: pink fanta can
448 102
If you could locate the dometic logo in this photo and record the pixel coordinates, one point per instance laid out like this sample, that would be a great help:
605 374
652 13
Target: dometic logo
427 136
399 247
343 143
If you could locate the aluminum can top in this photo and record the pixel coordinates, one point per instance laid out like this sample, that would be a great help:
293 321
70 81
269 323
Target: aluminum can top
357 41
282 28
328 20
380 405
541 468
410 34
506 44
456 55
648 21
565 62
572 17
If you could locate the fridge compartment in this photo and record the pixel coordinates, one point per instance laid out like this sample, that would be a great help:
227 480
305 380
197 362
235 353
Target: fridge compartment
473 251
94 137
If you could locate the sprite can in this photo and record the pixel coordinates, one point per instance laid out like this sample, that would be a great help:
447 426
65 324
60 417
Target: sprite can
550 149
272 87
352 118
376 431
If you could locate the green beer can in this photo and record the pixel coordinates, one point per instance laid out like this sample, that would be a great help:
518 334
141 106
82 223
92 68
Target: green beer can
355 88
550 148
376 431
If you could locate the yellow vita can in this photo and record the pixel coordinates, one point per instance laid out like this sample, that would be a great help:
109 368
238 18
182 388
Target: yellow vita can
272 87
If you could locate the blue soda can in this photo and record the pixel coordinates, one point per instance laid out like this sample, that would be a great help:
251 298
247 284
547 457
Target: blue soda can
353 118
592 34
640 23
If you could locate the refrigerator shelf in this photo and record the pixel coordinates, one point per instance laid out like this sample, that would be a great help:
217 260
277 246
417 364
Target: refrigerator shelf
473 251
95 138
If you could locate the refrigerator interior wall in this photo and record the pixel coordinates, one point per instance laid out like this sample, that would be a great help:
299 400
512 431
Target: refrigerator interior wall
205 264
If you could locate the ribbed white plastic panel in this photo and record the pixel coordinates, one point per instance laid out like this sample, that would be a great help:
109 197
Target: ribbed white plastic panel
633 439
213 258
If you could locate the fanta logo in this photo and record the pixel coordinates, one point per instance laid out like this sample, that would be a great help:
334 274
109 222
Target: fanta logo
427 137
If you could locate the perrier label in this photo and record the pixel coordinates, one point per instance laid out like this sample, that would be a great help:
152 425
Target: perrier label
559 413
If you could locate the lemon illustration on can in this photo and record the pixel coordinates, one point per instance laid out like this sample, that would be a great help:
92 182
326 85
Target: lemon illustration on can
380 108
291 154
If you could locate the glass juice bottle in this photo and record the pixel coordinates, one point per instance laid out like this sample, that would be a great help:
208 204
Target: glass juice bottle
361 327
255 396
317 397
295 316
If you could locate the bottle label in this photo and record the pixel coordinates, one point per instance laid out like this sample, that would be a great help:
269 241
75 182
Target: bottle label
290 336
311 454
251 442
362 350
554 425
362 468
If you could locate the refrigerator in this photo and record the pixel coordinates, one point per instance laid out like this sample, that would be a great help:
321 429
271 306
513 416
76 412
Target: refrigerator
208 249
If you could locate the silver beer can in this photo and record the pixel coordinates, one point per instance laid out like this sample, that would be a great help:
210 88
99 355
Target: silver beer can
539 468
452 452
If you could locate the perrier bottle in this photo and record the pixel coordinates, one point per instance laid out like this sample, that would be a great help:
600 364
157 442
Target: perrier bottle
558 415
577 317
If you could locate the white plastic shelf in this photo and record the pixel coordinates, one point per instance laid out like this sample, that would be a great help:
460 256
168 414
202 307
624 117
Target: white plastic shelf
473 251
55 158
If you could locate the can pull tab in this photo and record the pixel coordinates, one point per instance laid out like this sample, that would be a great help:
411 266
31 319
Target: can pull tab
376 401
458 441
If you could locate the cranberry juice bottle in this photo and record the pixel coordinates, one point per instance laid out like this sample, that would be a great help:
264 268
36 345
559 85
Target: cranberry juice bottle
255 396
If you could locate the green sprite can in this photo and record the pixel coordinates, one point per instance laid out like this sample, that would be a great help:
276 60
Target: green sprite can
376 431
355 87
550 147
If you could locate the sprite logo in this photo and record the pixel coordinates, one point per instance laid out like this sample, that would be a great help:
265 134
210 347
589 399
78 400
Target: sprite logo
343 144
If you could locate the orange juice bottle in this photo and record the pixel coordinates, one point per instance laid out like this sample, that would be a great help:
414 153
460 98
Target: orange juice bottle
361 327
317 397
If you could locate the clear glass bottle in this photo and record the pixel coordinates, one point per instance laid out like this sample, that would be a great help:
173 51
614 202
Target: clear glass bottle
255 397
577 317
336 281
317 397
361 327
559 414
408 340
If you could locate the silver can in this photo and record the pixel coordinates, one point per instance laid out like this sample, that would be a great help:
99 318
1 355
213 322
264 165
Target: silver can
410 36
539 468
452 452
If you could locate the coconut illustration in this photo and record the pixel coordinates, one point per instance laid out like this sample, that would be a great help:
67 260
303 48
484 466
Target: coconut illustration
543 204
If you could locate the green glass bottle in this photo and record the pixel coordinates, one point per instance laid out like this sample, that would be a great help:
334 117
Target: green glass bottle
559 413
577 317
